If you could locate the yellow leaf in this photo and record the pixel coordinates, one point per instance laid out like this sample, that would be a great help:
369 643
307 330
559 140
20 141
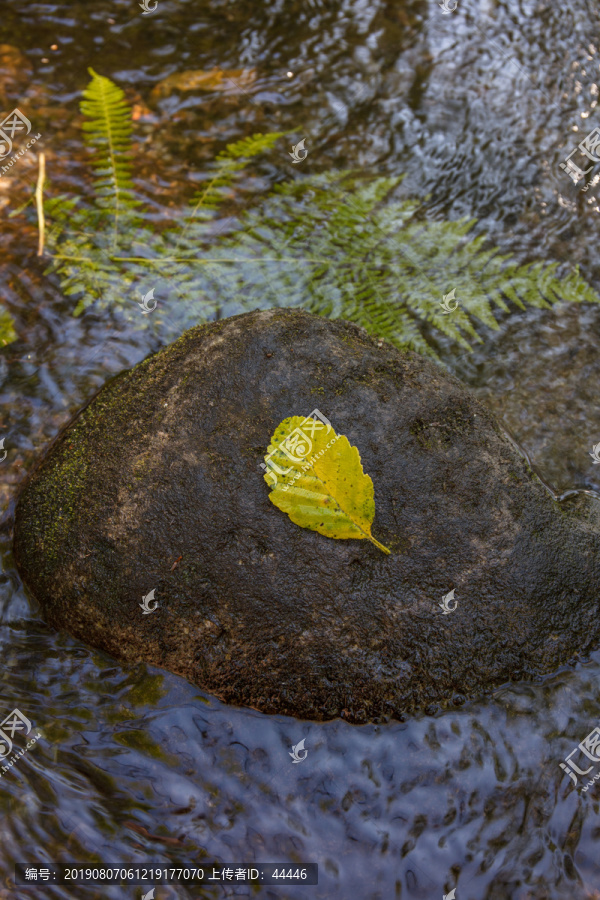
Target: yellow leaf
317 478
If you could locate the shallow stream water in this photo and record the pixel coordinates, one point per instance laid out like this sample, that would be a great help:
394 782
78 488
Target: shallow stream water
137 767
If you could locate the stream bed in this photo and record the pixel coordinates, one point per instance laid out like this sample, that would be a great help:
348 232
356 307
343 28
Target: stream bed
136 767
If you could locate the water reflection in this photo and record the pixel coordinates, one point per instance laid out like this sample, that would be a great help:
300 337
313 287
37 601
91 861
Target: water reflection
138 767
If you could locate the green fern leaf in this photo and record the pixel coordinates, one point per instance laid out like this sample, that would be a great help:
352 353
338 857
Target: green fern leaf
7 331
108 129
336 244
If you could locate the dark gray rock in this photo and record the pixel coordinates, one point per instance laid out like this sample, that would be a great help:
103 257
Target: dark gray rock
164 464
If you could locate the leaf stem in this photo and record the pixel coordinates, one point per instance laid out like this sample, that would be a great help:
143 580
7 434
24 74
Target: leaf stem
195 259
377 544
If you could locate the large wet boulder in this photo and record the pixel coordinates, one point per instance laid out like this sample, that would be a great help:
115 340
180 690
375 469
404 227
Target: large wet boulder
157 485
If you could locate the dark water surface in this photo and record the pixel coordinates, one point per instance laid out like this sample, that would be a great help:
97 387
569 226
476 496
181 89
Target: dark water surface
137 767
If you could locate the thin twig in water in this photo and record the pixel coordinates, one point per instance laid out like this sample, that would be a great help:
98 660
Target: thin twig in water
39 202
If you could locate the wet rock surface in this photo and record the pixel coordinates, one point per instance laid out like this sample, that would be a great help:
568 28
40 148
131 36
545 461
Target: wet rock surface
156 485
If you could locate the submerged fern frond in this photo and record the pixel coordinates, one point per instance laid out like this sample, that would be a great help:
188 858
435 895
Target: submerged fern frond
336 244
7 331
205 202
342 248
108 132
227 165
